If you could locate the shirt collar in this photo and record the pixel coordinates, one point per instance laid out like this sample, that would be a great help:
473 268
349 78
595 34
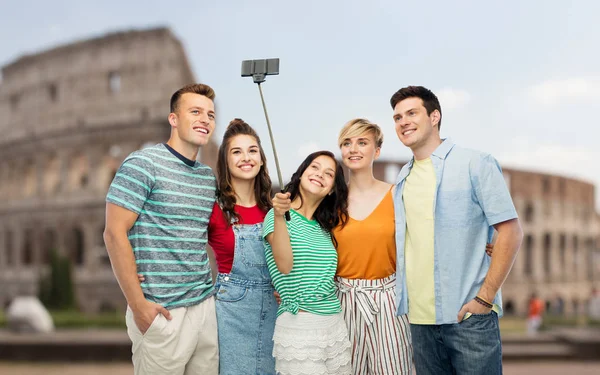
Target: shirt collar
189 162
444 148
440 152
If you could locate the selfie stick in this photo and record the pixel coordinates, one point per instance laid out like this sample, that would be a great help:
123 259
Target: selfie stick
258 69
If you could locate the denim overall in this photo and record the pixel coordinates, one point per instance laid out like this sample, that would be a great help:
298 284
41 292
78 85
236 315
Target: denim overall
246 308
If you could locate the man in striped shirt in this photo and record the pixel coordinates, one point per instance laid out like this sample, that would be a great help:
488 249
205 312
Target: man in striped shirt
157 213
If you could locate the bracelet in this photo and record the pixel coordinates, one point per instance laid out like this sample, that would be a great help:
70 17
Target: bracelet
483 302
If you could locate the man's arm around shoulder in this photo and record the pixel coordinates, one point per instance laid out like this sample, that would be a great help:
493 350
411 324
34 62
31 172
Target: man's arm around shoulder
118 223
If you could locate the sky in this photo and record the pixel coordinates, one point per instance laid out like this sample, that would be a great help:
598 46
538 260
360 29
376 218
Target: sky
517 79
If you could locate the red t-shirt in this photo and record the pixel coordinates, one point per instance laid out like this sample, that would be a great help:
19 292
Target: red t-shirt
536 307
220 235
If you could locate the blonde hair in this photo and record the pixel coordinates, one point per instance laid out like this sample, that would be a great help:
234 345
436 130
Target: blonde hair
358 126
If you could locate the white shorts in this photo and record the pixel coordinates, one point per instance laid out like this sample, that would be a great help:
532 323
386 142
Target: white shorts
187 344
311 344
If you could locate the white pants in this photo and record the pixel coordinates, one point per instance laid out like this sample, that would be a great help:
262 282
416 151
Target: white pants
533 324
187 344
381 341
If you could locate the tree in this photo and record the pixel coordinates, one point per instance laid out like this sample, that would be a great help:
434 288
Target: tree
56 288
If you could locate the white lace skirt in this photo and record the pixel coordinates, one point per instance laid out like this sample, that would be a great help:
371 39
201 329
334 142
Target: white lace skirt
311 344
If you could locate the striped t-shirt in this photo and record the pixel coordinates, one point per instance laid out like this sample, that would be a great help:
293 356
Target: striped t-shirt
309 286
174 202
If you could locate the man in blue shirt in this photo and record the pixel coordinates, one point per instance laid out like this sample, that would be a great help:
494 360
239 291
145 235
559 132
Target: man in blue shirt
448 201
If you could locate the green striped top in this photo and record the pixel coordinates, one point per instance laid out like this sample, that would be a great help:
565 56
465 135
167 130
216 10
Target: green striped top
309 286
174 202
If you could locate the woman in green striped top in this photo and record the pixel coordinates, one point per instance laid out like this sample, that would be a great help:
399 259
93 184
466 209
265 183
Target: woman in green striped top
310 334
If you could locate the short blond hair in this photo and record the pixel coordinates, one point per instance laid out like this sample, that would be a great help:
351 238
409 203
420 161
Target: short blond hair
358 126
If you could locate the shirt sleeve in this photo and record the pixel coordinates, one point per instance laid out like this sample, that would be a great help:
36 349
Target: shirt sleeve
491 191
269 223
132 184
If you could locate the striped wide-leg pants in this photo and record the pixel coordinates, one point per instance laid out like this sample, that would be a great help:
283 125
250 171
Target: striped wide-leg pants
381 342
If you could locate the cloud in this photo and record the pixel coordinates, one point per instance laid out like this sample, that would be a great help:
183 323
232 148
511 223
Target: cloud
571 89
554 158
453 98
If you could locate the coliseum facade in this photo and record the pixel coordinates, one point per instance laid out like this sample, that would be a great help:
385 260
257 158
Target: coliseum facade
560 254
68 117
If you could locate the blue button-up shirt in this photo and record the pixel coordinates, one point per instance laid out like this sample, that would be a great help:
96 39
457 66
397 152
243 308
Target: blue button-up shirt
470 197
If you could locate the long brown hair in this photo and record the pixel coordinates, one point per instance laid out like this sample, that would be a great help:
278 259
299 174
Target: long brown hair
262 181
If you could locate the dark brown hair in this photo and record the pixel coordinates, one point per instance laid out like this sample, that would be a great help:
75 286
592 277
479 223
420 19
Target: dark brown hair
194 88
262 181
430 101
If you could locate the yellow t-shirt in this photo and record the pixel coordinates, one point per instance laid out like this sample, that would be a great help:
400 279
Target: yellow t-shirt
418 194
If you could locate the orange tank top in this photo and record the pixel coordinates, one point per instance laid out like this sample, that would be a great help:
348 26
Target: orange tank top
367 248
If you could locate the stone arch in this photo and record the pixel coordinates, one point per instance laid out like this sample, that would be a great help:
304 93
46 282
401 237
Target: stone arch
558 305
509 307
29 180
590 261
78 172
10 179
8 246
547 261
107 171
53 92
27 250
562 254
49 245
529 212
576 306
528 266
576 256
114 82
144 114
546 184
52 175
4 180
76 246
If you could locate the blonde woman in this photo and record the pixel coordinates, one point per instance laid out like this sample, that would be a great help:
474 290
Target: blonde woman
365 277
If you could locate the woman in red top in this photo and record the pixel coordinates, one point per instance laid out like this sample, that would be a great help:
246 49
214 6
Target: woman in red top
246 307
